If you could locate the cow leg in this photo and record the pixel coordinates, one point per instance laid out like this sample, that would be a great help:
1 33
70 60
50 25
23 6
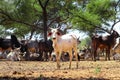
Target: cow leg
58 60
27 56
98 55
94 57
62 58
92 54
76 56
50 55
50 58
46 56
109 54
41 55
71 56
106 55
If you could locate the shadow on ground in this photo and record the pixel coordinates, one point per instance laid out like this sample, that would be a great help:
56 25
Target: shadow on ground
49 78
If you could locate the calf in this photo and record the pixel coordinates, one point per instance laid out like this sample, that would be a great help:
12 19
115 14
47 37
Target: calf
63 43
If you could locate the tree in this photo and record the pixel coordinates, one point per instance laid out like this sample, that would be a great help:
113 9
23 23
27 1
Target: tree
85 43
94 15
17 16
34 16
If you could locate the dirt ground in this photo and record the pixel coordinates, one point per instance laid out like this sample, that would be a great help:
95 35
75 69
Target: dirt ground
36 70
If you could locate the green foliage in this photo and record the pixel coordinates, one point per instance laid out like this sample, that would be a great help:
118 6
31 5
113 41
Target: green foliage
20 31
97 69
85 21
85 43
19 15
4 32
102 8
26 11
93 15
25 16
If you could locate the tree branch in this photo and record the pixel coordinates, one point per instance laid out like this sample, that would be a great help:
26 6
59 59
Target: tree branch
40 3
87 21
9 18
43 6
114 25
106 30
46 3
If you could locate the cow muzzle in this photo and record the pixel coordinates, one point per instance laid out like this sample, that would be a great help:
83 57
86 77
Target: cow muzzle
54 38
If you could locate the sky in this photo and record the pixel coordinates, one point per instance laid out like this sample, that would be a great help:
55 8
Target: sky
80 35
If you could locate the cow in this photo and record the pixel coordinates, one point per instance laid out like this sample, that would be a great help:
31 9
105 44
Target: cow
36 49
4 54
116 50
63 43
116 56
45 47
84 54
14 55
30 49
7 45
117 44
103 43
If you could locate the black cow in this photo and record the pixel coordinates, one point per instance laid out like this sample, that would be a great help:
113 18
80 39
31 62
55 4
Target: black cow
8 44
37 50
45 47
31 49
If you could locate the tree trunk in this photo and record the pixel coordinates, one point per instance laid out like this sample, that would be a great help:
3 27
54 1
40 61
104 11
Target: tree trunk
45 23
44 17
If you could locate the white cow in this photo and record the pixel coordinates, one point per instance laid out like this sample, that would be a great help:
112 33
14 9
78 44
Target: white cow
116 50
14 55
3 55
117 43
63 43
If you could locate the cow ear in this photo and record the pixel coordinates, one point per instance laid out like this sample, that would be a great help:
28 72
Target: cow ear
49 29
50 33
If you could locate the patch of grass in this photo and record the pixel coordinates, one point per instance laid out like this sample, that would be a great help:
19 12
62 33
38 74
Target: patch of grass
97 69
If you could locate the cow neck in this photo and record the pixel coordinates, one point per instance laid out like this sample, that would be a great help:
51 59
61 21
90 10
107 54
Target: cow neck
55 42
112 41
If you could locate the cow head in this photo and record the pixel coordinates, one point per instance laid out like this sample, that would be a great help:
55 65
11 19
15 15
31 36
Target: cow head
54 34
115 34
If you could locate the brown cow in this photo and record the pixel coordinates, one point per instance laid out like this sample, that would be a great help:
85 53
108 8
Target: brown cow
104 42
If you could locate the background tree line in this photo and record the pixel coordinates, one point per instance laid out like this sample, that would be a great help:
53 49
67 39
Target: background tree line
34 17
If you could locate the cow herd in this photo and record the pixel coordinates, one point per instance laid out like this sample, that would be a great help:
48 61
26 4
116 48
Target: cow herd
59 47
15 50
